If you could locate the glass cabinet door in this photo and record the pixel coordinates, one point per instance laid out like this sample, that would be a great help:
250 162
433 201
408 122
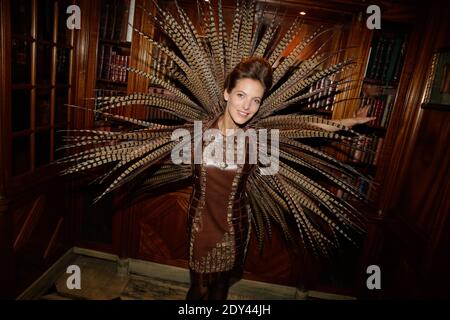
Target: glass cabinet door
41 62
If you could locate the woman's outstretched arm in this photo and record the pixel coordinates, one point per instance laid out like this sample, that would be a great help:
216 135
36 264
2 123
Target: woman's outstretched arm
360 118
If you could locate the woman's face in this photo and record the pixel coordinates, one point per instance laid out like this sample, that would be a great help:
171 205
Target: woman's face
244 100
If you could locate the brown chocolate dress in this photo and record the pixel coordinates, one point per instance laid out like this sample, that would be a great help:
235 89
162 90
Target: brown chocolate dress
219 219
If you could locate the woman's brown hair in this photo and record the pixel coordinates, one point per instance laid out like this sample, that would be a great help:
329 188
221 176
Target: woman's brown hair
251 68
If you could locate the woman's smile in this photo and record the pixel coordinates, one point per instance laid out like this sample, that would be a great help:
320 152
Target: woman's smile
243 114
242 102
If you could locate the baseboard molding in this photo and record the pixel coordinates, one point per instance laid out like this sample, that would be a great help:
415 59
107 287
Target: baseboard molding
95 254
46 280
161 271
165 272
328 296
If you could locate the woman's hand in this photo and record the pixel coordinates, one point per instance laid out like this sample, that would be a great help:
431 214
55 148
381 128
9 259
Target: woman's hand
360 117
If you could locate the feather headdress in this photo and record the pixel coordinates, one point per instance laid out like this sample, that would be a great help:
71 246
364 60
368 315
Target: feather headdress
299 191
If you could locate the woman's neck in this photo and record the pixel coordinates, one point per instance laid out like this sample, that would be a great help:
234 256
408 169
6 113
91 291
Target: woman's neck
225 122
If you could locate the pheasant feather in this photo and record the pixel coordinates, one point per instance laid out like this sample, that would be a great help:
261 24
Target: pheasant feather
194 78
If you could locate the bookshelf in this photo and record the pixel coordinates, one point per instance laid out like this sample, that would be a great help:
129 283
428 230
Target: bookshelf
380 85
114 48
382 73
110 45
119 47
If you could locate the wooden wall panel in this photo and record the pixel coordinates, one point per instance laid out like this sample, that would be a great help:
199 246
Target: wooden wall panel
160 229
276 263
154 228
419 220
428 172
34 206
412 243
161 224
6 252
38 231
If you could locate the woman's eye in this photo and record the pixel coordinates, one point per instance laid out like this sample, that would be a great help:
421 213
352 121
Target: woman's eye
257 102
240 95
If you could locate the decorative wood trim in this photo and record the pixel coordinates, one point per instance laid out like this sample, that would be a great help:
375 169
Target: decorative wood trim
403 130
357 44
24 180
333 10
437 107
3 204
53 81
5 101
6 250
30 223
28 181
85 42
34 18
95 254
441 226
53 240
44 282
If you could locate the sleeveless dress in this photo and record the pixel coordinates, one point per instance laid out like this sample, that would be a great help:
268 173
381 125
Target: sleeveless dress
219 217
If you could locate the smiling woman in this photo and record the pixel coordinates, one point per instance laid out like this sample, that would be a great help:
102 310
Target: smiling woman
244 90
242 103
229 85
219 224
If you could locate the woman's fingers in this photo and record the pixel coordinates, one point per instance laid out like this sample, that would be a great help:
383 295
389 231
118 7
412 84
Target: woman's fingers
362 112
361 120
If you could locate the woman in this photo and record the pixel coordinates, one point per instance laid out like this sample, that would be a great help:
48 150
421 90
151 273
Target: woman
224 194
219 223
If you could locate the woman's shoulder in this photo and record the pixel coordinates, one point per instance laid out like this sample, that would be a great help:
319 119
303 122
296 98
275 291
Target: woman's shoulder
210 123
